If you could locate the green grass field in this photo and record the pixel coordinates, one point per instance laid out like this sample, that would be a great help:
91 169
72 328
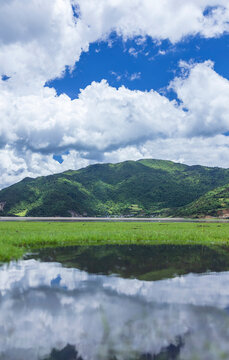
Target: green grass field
19 238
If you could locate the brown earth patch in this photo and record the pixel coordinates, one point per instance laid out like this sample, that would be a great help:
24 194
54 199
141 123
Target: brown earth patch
223 213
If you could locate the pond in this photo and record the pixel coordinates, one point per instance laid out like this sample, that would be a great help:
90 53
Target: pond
116 302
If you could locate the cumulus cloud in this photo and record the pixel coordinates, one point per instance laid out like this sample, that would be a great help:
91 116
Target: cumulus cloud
205 94
15 166
156 19
107 124
197 150
102 118
40 39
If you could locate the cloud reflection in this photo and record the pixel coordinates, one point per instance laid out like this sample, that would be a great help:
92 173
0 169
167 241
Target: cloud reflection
45 306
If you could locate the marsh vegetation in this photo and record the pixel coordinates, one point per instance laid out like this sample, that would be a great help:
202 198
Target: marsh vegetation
19 238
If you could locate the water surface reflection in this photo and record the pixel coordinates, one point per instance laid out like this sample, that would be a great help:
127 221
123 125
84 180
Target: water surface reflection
142 262
48 311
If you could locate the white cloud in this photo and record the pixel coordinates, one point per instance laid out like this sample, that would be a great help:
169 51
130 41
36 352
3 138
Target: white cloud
135 76
132 51
117 76
197 150
101 118
15 166
109 124
105 118
39 38
205 94
126 75
165 19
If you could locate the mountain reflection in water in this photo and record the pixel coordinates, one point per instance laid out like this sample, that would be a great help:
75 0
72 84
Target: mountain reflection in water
141 262
51 312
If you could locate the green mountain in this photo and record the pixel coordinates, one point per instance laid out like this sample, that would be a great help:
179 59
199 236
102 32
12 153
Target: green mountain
140 188
213 203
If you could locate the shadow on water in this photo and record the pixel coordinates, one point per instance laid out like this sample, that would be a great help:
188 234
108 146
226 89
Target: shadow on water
69 352
141 262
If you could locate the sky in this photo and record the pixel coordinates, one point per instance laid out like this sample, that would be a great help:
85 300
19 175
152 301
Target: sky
88 81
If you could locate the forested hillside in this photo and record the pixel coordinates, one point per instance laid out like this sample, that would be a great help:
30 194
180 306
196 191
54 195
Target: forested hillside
214 203
131 188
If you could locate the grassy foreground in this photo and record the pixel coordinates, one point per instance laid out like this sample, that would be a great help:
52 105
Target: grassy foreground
18 238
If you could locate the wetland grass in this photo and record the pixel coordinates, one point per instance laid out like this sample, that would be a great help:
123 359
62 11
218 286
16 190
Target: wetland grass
18 238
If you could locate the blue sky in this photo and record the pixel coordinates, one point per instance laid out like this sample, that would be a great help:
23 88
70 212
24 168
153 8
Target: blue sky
155 65
87 81
140 66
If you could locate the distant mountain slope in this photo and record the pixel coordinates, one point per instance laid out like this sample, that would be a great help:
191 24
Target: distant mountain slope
214 203
144 187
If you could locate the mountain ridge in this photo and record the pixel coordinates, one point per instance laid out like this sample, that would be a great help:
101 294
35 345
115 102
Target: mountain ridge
146 187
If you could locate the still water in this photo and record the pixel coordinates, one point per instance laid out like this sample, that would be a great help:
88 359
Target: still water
116 302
